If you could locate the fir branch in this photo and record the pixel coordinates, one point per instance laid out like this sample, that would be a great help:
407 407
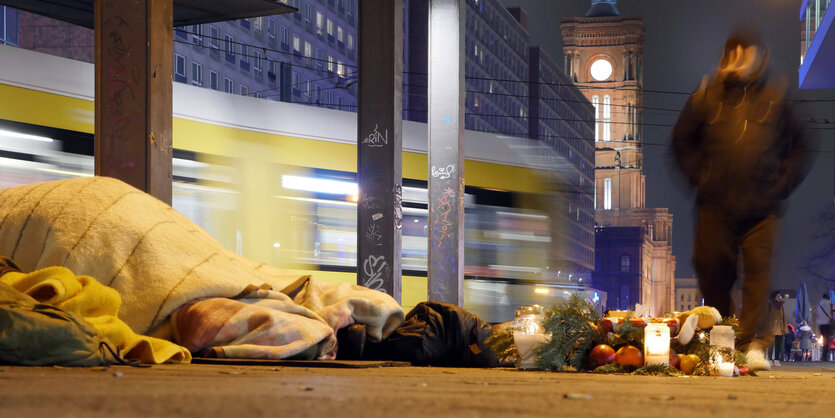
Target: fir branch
574 330
658 370
502 344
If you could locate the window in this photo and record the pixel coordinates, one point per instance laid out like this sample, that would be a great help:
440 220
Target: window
8 26
244 53
196 74
230 49
330 63
308 12
595 101
624 263
197 35
271 28
256 65
258 24
320 23
244 90
607 134
306 86
213 80
228 85
330 29
297 47
320 58
340 68
350 42
607 194
179 68
285 36
308 49
295 84
214 42
340 35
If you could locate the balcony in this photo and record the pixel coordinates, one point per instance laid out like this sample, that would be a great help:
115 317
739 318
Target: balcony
244 65
230 57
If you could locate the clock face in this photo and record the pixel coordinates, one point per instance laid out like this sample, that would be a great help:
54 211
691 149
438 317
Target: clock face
601 70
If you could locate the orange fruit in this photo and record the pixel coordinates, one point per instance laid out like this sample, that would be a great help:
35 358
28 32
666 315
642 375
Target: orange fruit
689 362
629 356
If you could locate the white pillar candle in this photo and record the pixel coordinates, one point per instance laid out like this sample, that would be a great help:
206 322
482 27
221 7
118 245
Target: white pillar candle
526 346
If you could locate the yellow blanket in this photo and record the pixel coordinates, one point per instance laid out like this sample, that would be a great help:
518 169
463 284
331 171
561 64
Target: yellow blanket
99 305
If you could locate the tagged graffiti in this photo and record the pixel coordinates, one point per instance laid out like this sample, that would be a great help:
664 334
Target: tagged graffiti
377 139
442 211
443 173
375 269
373 235
368 201
398 206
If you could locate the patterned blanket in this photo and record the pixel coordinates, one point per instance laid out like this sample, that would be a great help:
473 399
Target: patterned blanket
158 260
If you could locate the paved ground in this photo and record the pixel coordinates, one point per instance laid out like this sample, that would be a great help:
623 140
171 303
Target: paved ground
200 390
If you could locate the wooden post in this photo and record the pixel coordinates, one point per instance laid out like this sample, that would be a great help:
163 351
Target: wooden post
134 60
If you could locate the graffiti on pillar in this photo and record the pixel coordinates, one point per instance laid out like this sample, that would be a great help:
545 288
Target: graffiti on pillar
374 235
377 139
369 201
375 269
443 173
398 206
123 76
441 212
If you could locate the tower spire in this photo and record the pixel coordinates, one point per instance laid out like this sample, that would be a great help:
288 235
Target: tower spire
603 8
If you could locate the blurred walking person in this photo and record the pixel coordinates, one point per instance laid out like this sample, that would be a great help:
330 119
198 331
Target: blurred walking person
805 335
737 142
823 319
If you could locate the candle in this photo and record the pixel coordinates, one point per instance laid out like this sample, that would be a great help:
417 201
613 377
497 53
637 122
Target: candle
526 346
725 369
657 344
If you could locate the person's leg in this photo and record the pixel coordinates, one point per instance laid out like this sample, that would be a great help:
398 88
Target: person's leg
757 245
778 349
715 248
826 332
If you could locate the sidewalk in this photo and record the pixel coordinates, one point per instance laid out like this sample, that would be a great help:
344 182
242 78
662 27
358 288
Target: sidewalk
203 390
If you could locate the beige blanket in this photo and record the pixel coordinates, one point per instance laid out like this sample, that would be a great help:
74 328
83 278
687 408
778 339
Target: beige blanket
156 258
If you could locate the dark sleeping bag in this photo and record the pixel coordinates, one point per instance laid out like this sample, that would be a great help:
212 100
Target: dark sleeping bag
437 334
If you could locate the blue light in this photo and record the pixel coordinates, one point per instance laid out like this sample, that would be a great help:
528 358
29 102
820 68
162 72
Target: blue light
596 297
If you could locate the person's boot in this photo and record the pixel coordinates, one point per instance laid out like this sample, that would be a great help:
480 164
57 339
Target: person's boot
755 357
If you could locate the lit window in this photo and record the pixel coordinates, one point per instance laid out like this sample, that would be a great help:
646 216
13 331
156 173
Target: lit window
297 43
595 101
244 90
607 194
607 134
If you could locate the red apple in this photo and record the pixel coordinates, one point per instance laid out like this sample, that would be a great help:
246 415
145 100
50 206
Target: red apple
601 356
674 359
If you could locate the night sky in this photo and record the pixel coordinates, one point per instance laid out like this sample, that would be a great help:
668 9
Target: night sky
683 41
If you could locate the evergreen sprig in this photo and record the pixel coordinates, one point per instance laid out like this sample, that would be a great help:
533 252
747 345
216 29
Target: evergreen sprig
574 328
501 342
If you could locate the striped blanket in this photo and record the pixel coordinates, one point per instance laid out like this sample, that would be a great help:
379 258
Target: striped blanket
158 260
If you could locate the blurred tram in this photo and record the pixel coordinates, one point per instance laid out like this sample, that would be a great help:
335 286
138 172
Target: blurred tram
276 182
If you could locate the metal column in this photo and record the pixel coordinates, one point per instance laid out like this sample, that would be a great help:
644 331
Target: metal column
446 151
134 69
379 145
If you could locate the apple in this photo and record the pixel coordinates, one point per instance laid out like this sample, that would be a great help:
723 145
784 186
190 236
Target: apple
675 360
601 355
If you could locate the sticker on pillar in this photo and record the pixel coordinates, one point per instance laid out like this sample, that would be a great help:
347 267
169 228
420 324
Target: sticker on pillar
443 173
376 269
377 216
377 139
398 206
374 235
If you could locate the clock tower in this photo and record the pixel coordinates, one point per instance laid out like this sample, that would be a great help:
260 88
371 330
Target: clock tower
603 56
